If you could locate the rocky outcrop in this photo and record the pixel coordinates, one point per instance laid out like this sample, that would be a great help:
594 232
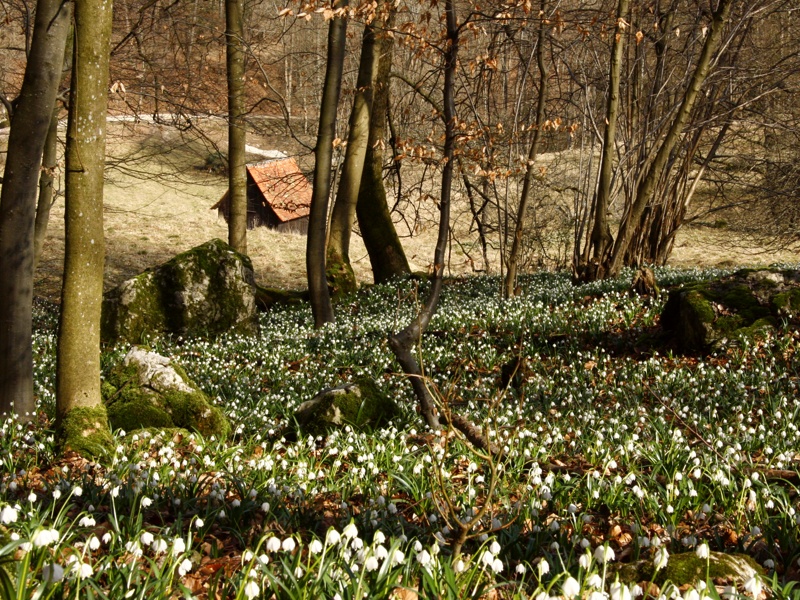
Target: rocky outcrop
149 390
712 314
359 404
205 291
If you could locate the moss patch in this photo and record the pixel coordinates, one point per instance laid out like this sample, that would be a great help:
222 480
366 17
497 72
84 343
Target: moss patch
688 568
132 406
361 405
85 430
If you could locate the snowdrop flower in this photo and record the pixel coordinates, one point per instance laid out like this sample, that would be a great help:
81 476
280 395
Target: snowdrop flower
570 587
520 569
107 537
147 538
252 589
495 548
82 570
178 546
423 558
8 515
198 523
184 567
159 546
598 596
585 561
288 544
247 556
273 544
77 491
660 559
620 591
32 497
692 594
45 537
350 531
398 557
594 581
93 543
543 567
604 554
87 521
753 586
497 565
487 558
315 547
52 573
146 502
371 564
298 572
702 551
332 537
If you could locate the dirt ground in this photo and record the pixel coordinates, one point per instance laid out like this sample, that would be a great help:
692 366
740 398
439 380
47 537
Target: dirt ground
159 205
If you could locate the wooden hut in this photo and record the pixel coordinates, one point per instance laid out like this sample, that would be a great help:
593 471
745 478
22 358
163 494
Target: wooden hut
278 196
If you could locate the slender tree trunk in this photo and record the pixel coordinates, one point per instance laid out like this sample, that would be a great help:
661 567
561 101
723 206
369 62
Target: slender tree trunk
46 191
318 218
601 239
237 168
654 173
29 127
386 254
513 256
81 420
340 273
404 342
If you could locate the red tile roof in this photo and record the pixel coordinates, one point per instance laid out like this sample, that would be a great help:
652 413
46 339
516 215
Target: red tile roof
284 186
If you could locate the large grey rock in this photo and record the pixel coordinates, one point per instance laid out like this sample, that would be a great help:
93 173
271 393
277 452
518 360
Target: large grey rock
205 291
148 390
711 314
359 404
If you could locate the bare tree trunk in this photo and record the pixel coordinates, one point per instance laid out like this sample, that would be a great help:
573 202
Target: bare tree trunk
386 254
81 421
237 168
46 184
340 273
318 218
513 255
29 126
404 342
601 239
654 173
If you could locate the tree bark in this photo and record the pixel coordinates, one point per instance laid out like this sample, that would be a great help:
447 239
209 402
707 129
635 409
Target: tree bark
513 256
80 415
46 185
29 127
403 343
340 272
237 168
386 254
601 239
318 218
654 173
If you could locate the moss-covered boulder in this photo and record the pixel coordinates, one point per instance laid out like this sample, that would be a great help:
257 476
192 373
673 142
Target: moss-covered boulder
205 291
148 390
711 314
688 568
360 404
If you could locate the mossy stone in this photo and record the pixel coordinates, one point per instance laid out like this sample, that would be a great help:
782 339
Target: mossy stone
205 291
85 430
688 568
361 404
135 402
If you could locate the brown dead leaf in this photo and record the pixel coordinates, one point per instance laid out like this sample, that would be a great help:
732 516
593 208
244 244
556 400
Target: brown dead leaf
401 593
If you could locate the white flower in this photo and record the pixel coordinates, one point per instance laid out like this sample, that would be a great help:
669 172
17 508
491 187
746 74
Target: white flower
494 548
692 594
133 547
497 565
702 551
273 544
350 531
769 564
8 515
184 567
753 586
247 556
147 538
146 502
178 546
398 557
52 573
198 523
77 491
520 569
332 537
82 570
263 559
32 497
87 521
93 542
252 589
315 547
424 558
594 581
159 546
585 561
45 537
660 559
298 572
570 587
371 563
543 567
288 544
620 591
487 558
603 554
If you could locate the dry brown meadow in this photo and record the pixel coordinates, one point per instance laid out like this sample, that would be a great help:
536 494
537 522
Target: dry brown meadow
157 204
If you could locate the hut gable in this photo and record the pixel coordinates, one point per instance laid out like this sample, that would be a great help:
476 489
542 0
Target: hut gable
278 196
